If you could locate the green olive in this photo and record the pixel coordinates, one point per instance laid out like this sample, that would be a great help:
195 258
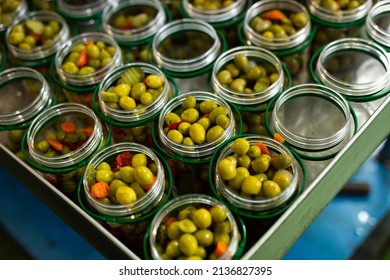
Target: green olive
251 185
197 133
227 169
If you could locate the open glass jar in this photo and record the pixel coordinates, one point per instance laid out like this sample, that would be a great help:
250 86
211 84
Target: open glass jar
61 140
145 91
188 137
137 183
356 68
287 35
133 23
34 39
24 94
315 121
376 27
78 68
217 225
248 77
336 20
186 50
263 179
224 16
10 11
82 16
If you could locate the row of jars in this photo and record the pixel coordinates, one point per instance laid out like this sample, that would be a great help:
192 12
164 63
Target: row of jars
280 102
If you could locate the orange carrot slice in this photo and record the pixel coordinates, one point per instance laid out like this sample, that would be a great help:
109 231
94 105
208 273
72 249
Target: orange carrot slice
273 15
68 127
100 190
83 58
220 248
279 138
263 147
55 144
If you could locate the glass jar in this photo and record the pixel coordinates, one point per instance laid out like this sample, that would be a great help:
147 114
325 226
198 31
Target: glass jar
82 16
132 125
260 205
265 79
41 5
128 216
336 22
11 12
133 23
188 159
61 140
36 50
24 94
289 36
79 87
315 121
358 69
201 249
223 16
186 50
376 27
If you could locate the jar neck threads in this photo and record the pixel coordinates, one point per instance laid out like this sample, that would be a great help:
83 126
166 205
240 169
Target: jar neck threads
214 15
134 35
354 89
201 150
138 114
74 157
276 43
142 205
91 78
186 64
297 128
25 115
329 17
259 54
373 29
44 51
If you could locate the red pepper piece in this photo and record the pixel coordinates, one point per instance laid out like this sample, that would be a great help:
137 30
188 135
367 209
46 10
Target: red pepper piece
124 159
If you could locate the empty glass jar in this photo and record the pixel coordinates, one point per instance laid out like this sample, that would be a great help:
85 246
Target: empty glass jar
315 121
356 68
186 50
24 94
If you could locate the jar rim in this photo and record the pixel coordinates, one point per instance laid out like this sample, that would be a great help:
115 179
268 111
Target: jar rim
374 31
257 207
350 89
260 54
91 78
307 143
186 65
142 205
186 200
276 44
199 150
328 17
73 157
139 114
213 16
24 116
44 51
135 35
84 11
